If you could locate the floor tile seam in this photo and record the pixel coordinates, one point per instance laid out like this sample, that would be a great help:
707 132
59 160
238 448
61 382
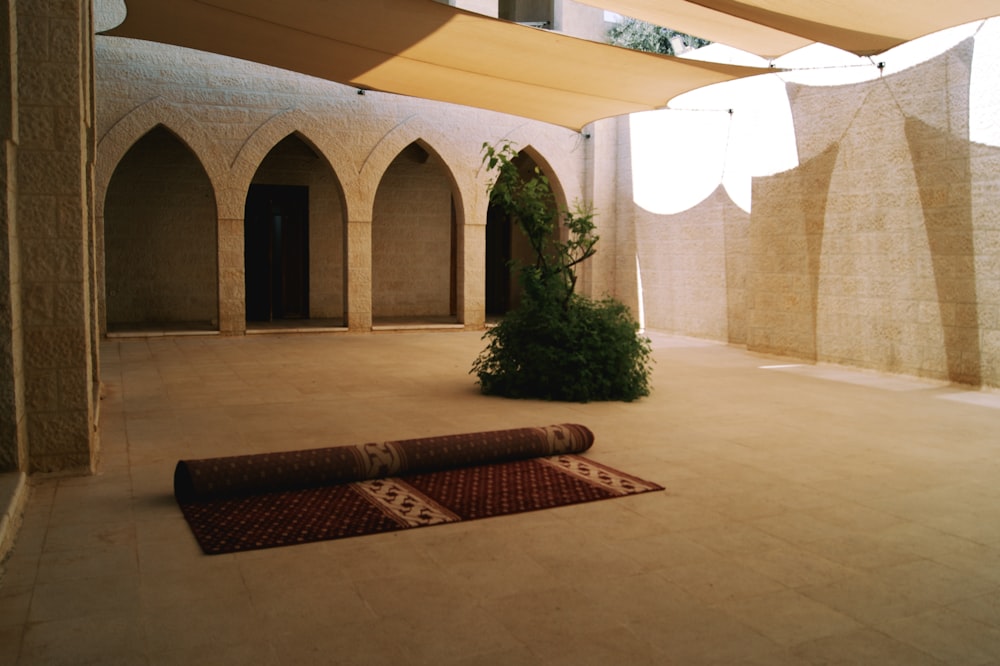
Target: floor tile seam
882 628
845 637
146 618
985 626
890 590
791 645
787 546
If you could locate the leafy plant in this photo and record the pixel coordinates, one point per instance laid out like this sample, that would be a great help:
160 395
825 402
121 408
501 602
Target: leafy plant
556 344
642 36
529 200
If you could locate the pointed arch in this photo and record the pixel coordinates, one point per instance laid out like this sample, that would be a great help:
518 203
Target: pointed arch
294 237
160 238
507 246
125 133
310 130
415 239
415 129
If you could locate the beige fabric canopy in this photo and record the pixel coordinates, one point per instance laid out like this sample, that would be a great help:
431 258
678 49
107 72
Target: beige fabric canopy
771 28
426 49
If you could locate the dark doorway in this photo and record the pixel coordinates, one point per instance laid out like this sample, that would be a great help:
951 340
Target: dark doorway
276 252
498 256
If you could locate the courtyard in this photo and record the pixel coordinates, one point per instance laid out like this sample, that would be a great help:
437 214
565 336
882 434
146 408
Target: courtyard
812 515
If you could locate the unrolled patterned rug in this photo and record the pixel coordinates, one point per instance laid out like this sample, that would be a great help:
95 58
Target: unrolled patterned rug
277 499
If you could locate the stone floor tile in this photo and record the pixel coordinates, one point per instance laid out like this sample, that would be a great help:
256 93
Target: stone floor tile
366 643
948 635
863 646
797 508
861 551
796 566
933 584
550 618
214 623
174 587
737 539
75 564
984 608
702 635
10 643
69 535
256 651
14 603
721 580
789 618
69 599
867 598
616 645
99 638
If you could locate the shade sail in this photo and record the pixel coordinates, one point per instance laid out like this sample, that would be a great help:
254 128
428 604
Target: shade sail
426 49
771 28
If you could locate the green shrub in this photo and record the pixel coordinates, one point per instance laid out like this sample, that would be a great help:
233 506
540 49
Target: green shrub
556 344
590 350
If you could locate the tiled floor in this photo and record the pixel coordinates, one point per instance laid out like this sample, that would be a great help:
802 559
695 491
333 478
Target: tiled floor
812 516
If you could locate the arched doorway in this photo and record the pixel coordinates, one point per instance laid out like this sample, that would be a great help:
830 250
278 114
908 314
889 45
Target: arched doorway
294 239
160 239
414 241
507 248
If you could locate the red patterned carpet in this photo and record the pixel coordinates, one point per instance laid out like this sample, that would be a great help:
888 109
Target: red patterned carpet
394 503
278 499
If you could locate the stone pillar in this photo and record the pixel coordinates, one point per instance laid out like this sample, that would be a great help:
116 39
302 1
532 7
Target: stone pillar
13 437
232 283
54 224
472 269
358 278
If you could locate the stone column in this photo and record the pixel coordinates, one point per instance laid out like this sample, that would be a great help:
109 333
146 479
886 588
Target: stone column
472 268
13 438
358 277
232 283
54 223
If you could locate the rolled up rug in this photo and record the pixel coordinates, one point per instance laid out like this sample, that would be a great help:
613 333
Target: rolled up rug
248 502
237 476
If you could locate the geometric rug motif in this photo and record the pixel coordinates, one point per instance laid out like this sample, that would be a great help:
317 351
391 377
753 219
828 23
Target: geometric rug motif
395 503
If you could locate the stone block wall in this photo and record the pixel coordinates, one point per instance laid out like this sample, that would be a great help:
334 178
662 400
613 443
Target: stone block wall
412 238
160 237
880 250
887 273
230 114
693 268
47 348
13 435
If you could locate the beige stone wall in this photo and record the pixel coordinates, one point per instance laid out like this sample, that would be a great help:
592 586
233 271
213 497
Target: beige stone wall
867 254
160 237
13 436
880 250
782 280
984 195
230 114
412 238
693 268
54 230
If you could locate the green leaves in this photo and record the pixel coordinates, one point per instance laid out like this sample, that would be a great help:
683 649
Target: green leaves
557 345
632 33
528 199
590 350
